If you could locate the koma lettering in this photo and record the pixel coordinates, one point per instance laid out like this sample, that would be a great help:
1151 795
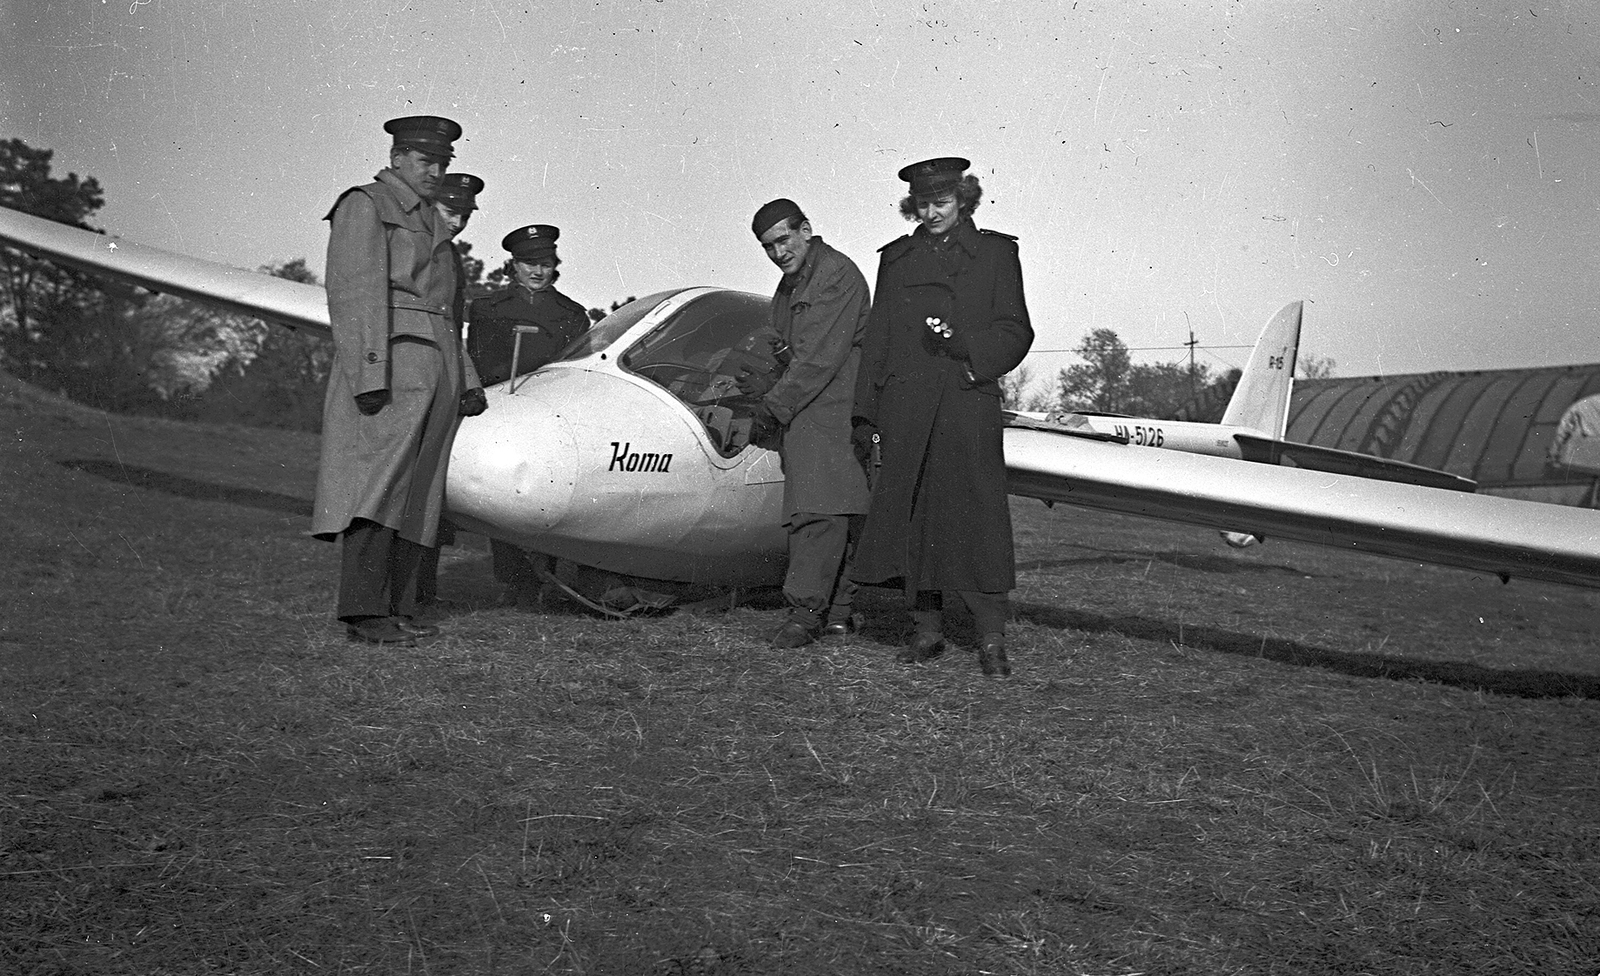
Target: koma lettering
624 459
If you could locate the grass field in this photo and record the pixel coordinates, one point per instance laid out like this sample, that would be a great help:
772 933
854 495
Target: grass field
1283 760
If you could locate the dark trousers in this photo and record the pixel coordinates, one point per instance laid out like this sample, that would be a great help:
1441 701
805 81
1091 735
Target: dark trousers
428 576
989 610
428 568
377 572
818 587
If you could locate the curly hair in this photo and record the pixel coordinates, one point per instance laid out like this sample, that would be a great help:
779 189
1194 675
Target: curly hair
969 192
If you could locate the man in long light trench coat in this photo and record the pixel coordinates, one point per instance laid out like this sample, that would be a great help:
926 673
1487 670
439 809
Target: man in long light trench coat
820 312
394 391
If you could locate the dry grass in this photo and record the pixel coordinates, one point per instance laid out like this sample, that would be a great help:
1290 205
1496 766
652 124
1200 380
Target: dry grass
1277 761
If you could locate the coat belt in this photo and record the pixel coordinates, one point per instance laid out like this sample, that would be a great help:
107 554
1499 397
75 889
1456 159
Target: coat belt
416 304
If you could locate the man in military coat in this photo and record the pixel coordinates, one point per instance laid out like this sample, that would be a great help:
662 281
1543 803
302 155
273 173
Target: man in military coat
819 311
548 321
455 199
395 388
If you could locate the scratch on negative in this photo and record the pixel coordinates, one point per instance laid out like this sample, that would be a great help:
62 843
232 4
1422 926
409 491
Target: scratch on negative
1417 179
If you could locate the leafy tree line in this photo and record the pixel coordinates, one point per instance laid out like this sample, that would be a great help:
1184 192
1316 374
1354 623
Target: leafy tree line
121 348
1109 381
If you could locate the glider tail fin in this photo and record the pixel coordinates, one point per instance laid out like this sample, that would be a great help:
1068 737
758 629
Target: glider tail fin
1261 400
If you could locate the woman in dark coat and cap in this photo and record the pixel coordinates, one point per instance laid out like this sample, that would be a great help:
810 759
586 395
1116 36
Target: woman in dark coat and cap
551 320
948 320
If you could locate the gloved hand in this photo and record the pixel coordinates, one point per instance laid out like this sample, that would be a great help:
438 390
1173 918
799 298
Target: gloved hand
474 402
947 338
372 401
755 382
862 437
764 426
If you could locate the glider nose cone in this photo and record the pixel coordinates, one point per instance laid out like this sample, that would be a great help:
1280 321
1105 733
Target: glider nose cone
512 466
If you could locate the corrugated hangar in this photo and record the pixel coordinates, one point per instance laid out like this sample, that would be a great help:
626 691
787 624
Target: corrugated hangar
1524 433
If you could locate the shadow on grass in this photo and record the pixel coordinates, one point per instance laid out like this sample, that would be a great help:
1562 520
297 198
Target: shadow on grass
1360 664
204 491
1204 563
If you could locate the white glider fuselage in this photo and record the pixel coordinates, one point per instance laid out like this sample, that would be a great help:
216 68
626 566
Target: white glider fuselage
1191 437
1258 409
588 460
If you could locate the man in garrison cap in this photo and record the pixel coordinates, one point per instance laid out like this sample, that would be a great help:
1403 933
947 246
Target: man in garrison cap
455 199
396 385
548 321
819 311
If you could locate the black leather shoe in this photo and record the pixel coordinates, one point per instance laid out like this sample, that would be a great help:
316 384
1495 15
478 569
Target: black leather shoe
841 628
415 629
381 630
992 658
923 647
793 633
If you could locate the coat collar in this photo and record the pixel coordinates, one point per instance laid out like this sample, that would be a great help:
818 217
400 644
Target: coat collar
409 200
807 266
965 235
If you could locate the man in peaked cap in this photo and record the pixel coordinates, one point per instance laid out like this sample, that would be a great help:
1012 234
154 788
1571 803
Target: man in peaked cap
429 134
457 194
549 321
455 198
395 388
819 311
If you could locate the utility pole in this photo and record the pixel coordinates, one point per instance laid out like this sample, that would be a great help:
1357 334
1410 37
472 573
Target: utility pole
1191 344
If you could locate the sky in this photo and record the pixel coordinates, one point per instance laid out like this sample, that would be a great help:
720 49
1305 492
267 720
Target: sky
1425 174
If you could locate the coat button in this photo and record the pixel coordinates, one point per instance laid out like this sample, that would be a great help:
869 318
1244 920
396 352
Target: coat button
372 357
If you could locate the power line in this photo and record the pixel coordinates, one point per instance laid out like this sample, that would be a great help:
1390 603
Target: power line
1152 348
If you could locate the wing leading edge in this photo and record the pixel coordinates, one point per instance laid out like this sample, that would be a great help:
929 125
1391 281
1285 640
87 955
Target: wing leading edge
1502 536
290 303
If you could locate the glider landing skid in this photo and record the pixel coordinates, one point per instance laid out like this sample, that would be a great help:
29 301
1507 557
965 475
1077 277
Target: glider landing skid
621 597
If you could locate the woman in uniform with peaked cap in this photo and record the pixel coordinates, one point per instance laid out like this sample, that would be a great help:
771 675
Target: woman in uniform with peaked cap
948 320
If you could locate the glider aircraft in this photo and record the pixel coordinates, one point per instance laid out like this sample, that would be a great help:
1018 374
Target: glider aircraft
1255 420
631 453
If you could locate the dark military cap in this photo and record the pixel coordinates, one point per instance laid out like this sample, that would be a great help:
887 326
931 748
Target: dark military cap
532 241
771 213
934 175
458 191
427 133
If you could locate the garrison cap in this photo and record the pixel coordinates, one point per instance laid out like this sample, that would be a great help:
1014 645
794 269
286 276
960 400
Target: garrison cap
458 191
934 175
771 213
531 242
427 133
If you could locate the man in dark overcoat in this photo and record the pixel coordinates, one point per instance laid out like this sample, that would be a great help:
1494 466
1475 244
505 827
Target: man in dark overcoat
455 198
819 312
548 321
395 387
948 320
